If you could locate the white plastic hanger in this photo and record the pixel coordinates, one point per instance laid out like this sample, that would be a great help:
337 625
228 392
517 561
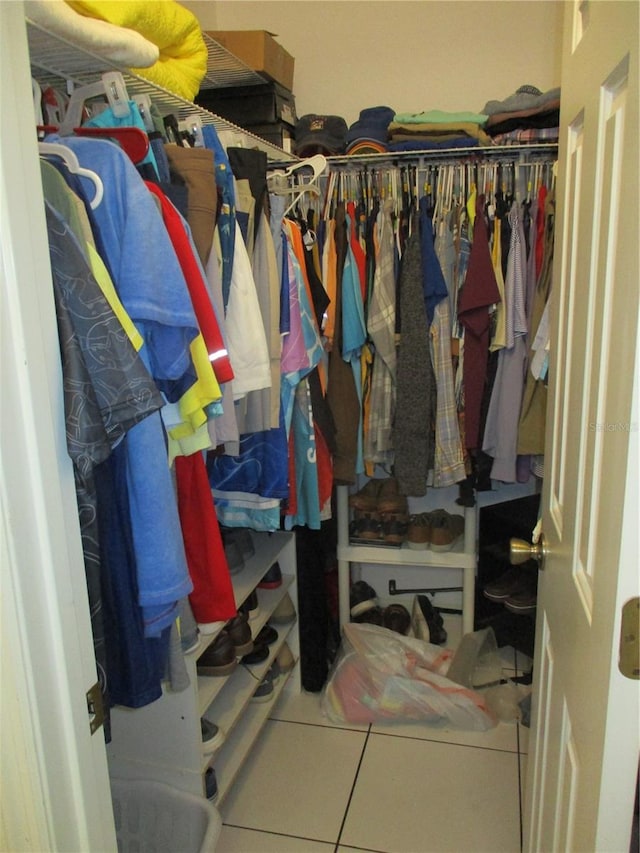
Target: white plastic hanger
306 188
317 164
111 85
193 125
143 103
279 180
55 149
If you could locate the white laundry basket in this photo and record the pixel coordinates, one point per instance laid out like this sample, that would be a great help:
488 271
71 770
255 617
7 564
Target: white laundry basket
151 817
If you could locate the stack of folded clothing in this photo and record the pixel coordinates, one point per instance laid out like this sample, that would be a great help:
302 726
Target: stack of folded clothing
370 133
437 129
527 116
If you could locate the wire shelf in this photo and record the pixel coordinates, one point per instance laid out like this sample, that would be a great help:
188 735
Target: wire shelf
59 63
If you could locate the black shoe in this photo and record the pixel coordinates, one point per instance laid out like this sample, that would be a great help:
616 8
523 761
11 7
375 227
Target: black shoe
267 636
233 545
250 606
241 538
260 653
211 784
504 586
273 578
524 599
219 658
437 633
264 691
235 560
362 598
240 633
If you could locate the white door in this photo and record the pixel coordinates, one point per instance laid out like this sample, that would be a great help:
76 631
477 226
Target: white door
583 758
55 783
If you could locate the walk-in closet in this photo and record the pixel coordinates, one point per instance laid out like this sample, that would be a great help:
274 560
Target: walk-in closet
320 426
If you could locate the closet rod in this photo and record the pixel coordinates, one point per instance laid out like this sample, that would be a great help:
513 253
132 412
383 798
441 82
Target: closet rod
500 153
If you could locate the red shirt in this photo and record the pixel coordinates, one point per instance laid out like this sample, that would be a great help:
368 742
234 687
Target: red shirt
207 321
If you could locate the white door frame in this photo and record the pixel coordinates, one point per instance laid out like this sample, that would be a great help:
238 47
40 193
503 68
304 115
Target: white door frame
55 784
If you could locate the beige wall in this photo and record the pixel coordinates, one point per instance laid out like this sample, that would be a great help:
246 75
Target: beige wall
411 55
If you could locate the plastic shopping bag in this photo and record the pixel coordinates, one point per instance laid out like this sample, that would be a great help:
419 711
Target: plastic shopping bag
382 675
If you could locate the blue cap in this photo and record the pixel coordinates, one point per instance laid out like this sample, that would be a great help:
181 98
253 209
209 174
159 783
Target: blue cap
372 124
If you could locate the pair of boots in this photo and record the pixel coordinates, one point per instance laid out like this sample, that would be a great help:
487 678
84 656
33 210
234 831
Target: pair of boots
424 622
517 589
380 512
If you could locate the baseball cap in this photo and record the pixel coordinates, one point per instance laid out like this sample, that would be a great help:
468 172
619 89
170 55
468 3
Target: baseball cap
320 134
373 123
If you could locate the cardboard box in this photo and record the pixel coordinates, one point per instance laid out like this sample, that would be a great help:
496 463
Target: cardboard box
260 51
277 133
248 106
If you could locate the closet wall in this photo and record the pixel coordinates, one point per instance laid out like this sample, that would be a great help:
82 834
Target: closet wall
411 55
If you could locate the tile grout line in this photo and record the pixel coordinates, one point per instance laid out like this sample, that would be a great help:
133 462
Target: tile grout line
353 786
384 733
344 728
276 834
446 742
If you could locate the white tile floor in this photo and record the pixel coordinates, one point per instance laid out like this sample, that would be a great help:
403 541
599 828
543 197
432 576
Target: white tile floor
313 787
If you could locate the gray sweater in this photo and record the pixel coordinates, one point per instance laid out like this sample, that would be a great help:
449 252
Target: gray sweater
413 431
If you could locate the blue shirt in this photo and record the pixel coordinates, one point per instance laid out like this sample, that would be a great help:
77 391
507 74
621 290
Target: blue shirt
150 284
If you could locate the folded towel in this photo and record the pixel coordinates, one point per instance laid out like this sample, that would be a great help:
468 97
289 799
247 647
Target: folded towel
174 29
118 44
435 129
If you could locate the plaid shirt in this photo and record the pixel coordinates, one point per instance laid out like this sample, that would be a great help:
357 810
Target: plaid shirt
381 328
449 458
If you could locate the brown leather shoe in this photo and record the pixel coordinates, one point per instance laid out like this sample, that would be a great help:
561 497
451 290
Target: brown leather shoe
366 499
240 633
219 658
446 530
419 531
394 528
396 617
389 498
368 526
